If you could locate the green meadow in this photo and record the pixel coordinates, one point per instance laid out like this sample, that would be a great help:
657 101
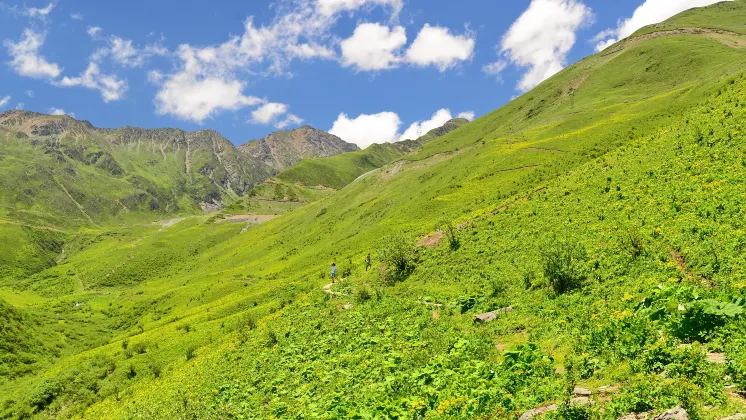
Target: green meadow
605 208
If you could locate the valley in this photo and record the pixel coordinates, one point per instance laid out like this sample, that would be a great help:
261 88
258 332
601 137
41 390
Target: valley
604 208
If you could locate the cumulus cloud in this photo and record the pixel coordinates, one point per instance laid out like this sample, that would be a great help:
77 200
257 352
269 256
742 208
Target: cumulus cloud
495 69
60 111
650 12
76 16
469 115
436 46
26 60
602 45
373 47
4 101
331 7
268 112
110 86
540 39
192 97
301 30
420 128
367 129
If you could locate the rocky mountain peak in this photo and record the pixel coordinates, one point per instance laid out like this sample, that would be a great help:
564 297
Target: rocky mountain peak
283 149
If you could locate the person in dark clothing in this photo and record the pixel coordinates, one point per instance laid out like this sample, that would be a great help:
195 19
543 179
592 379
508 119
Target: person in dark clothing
367 262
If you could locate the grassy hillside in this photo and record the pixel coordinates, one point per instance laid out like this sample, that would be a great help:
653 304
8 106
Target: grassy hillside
604 207
338 171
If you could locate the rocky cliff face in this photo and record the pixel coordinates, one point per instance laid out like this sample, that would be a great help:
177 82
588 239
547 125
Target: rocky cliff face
283 149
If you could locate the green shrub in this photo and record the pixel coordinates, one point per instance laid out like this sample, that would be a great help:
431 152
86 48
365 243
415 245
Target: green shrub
363 294
399 256
634 243
444 225
735 353
271 339
155 368
139 348
191 352
564 266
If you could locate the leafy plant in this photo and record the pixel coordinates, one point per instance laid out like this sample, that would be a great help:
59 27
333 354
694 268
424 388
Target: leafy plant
564 265
686 314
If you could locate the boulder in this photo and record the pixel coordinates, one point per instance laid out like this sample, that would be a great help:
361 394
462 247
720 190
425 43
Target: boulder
491 316
635 416
538 411
676 413
581 392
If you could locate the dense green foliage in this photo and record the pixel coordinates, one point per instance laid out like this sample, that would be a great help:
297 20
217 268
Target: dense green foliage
631 198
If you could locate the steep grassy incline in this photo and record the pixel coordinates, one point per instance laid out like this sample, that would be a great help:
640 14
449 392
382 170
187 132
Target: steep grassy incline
627 168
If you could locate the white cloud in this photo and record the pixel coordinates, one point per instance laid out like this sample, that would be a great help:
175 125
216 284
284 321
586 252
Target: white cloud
268 112
26 60
469 115
495 69
289 120
110 86
41 13
436 46
650 12
30 93
4 101
542 36
331 7
76 16
420 128
94 32
60 111
373 47
602 45
301 29
190 97
367 129
125 53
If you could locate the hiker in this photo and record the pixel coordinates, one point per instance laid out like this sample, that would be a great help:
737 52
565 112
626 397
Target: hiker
334 272
367 262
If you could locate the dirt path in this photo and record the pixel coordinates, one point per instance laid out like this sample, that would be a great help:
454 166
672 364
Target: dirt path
49 228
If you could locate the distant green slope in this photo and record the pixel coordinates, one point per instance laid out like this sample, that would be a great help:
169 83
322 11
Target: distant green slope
338 171
632 161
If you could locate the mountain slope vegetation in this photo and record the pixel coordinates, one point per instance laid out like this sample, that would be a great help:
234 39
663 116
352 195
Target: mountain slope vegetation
604 209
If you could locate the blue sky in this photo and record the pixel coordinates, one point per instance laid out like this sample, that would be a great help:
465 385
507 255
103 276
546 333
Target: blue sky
368 70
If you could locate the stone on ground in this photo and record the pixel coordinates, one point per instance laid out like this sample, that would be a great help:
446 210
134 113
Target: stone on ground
677 413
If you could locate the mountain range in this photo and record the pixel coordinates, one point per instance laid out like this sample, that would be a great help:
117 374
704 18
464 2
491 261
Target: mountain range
97 174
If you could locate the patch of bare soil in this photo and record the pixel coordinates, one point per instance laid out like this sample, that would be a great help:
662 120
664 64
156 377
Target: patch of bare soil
432 240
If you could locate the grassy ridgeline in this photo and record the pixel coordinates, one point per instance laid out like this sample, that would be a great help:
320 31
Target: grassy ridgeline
641 173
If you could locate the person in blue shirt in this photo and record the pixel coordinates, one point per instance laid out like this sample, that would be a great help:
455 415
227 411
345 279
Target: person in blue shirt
334 272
